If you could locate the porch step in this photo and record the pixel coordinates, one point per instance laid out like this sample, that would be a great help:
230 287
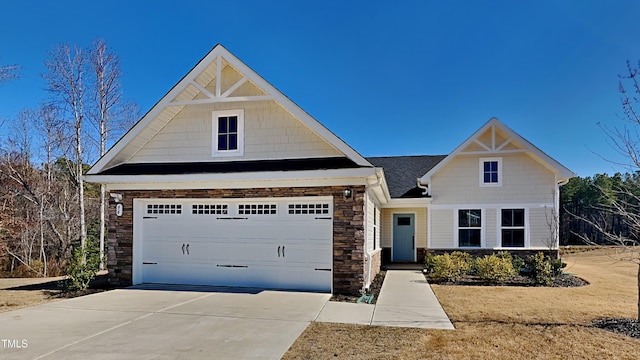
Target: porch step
403 266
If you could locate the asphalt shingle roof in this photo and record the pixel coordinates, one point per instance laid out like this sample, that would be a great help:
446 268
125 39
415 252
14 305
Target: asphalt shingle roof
402 172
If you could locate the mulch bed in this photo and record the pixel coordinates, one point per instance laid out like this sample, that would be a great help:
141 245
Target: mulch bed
374 289
628 327
562 280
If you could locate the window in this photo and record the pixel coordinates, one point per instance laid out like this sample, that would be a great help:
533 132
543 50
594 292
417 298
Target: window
512 227
306 209
209 209
490 172
469 227
164 209
257 209
228 133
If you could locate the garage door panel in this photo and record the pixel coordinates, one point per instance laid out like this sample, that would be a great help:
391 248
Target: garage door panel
270 247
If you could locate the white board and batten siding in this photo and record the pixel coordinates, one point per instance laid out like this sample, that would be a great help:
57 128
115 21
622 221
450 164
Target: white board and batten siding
266 243
270 132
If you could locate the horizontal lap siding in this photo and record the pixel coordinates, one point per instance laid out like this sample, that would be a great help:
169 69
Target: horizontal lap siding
539 233
524 181
442 228
270 133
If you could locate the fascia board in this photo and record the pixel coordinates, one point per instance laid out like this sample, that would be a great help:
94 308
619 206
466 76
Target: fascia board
249 176
406 203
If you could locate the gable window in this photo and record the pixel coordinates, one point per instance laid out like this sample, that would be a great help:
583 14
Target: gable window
490 172
228 133
469 228
513 228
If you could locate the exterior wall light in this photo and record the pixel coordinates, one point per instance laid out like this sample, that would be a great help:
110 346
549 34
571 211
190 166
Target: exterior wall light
348 193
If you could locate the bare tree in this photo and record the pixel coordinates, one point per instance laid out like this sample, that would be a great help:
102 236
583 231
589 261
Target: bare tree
107 100
65 78
8 72
623 201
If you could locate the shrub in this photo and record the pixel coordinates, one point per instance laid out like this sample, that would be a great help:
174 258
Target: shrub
540 269
449 267
518 263
81 268
429 262
556 266
494 268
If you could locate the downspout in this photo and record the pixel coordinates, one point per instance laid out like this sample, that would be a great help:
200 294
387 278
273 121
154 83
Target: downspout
423 187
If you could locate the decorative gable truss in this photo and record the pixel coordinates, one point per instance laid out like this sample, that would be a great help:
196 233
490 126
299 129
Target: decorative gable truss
217 82
494 139
219 77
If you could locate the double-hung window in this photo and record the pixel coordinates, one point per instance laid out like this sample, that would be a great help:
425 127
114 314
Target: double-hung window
490 172
470 228
513 228
228 133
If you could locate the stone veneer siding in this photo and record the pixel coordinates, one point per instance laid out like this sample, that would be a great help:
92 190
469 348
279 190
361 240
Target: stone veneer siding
376 264
348 229
422 252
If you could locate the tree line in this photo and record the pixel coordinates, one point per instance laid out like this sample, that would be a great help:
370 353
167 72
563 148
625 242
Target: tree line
47 210
593 207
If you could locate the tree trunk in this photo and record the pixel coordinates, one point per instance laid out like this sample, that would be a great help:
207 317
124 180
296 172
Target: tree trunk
639 291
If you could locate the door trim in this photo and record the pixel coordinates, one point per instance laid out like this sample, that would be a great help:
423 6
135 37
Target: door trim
415 216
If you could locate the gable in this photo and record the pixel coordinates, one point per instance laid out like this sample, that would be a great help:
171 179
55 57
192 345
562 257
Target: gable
182 126
496 139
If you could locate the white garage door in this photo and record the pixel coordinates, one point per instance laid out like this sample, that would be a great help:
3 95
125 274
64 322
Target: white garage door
241 242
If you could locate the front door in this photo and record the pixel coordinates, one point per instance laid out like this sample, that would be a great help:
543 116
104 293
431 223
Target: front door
403 237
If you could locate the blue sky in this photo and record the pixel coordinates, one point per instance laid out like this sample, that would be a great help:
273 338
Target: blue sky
388 77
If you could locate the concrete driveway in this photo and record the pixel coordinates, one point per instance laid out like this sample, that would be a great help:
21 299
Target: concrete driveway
161 322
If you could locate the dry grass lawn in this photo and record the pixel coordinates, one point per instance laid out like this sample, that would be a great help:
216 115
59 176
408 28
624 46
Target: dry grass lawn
41 290
502 322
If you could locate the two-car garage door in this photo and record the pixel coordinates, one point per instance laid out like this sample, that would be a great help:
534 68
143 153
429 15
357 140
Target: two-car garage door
270 243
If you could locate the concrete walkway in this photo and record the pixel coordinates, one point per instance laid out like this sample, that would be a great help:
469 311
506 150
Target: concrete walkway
406 300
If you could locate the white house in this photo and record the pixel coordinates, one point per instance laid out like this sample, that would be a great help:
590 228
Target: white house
225 181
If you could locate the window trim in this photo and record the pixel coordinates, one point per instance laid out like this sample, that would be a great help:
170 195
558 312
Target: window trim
525 227
481 172
457 228
214 133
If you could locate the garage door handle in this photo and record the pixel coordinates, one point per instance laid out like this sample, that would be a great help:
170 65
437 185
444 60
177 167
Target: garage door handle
233 266
187 249
322 269
278 251
182 249
149 263
282 250
323 218
232 218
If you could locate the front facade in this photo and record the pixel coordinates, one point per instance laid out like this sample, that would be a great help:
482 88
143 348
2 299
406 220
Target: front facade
225 181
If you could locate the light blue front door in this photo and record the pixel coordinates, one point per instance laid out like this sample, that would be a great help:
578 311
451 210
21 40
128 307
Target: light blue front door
403 237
